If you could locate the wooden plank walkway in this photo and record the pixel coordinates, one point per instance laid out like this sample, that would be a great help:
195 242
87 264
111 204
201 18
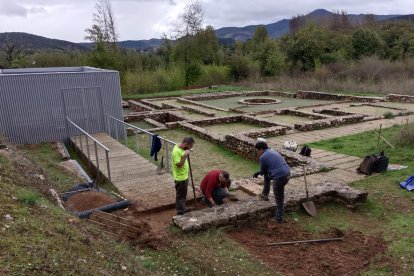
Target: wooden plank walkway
134 176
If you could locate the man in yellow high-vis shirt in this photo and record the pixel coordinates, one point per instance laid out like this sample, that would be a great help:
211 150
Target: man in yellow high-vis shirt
180 166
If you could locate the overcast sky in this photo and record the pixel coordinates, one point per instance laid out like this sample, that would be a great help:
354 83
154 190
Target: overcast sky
144 19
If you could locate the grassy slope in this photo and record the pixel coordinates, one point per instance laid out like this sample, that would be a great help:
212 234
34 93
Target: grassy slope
44 239
389 210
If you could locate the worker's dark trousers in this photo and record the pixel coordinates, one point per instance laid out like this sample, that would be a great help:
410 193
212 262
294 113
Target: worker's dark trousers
279 192
181 195
218 195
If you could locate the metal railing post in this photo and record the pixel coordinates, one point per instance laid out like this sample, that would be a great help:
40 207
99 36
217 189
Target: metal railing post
97 160
109 126
126 135
107 165
150 143
136 138
167 160
116 131
87 149
80 139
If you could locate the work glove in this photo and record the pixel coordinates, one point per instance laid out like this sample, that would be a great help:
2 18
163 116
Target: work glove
256 175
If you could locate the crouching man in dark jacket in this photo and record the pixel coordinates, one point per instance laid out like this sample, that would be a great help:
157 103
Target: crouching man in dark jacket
274 168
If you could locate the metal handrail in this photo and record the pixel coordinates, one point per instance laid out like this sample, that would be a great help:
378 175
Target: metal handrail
137 131
87 134
141 130
96 143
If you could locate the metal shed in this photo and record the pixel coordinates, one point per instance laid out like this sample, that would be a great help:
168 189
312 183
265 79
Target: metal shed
35 102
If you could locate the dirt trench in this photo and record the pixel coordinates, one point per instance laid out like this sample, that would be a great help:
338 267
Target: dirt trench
347 257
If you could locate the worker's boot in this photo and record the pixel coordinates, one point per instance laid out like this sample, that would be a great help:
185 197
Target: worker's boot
263 197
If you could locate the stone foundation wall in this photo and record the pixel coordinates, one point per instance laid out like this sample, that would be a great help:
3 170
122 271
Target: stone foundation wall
195 110
202 133
159 116
218 120
400 98
330 122
183 100
236 213
310 115
334 112
236 119
124 104
335 97
151 104
139 107
228 94
266 132
167 106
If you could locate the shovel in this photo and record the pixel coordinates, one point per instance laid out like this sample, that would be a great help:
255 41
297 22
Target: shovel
308 204
192 179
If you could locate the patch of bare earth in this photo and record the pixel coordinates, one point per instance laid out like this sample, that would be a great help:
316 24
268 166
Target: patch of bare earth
346 257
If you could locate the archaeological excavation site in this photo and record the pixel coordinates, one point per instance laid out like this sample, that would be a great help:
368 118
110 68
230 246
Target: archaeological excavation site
117 156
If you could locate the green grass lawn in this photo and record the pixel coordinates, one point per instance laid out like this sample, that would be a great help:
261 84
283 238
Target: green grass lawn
180 93
389 210
206 156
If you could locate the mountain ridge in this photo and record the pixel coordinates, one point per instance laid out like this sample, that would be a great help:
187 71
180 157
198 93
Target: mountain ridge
226 35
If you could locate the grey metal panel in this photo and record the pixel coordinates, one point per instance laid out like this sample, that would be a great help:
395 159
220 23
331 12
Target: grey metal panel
32 107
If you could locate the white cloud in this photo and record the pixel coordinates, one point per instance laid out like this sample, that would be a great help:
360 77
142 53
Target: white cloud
11 9
143 19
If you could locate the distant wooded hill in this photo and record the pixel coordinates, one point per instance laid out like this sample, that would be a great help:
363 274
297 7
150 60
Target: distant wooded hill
35 42
226 35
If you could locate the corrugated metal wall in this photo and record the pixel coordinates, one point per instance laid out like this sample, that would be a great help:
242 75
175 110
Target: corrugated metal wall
33 106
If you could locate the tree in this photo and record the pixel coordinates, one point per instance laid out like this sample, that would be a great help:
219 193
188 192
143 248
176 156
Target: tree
191 20
366 43
399 39
12 53
306 46
104 28
105 36
189 26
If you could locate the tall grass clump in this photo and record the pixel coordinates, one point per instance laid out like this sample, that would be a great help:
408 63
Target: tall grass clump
161 79
213 74
405 137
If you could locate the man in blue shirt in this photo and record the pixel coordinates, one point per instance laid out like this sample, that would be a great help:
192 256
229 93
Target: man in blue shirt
274 168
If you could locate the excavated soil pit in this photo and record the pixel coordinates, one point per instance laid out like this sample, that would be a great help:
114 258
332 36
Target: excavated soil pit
88 200
158 220
345 257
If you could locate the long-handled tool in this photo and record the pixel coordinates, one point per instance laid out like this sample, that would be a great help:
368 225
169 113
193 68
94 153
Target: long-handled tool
308 204
192 179
304 241
161 166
